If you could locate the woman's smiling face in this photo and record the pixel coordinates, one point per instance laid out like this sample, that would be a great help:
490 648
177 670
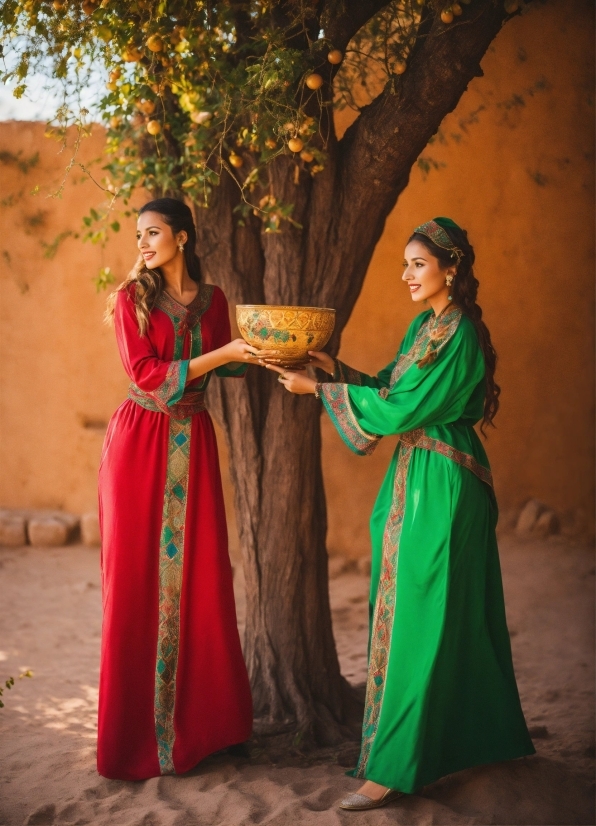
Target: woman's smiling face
423 273
156 241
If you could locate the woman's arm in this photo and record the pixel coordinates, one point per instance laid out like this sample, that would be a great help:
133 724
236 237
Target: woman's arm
235 351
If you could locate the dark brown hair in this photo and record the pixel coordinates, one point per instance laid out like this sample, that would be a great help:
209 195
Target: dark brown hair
149 283
464 290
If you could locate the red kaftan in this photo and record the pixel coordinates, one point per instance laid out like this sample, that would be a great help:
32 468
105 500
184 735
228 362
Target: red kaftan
173 684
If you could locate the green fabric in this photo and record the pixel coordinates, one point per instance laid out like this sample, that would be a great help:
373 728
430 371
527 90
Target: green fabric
446 223
182 370
231 370
449 698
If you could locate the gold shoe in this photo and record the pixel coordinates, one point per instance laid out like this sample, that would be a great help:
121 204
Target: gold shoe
360 802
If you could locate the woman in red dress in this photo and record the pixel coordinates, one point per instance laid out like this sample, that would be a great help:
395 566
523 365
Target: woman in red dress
173 683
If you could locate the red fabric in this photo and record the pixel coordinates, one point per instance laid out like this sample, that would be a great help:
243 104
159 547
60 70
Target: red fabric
213 707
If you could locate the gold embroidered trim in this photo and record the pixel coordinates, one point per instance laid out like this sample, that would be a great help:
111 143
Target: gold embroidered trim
384 613
171 558
418 438
433 334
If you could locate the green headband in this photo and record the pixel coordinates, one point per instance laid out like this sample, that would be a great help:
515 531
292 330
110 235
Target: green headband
435 230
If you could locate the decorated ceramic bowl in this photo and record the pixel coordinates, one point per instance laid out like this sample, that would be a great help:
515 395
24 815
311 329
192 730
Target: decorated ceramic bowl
291 330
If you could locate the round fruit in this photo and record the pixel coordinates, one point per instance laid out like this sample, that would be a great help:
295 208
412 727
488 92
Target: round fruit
295 145
236 160
400 67
59 5
447 16
270 143
154 127
114 75
131 54
89 6
114 122
146 106
314 81
307 156
155 43
335 56
104 34
457 9
111 86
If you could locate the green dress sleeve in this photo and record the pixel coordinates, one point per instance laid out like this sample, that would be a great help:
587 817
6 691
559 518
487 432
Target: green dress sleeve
344 374
434 394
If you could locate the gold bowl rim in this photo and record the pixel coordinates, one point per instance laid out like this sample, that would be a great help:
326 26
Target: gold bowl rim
281 307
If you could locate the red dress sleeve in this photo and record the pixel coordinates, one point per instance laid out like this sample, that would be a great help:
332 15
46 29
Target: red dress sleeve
163 380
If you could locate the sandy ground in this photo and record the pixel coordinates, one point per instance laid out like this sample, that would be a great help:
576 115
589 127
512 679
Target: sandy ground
50 622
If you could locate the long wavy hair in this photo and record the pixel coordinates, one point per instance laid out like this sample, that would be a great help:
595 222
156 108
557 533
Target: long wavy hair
464 290
150 283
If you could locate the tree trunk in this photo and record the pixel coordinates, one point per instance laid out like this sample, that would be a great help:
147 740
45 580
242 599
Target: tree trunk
274 437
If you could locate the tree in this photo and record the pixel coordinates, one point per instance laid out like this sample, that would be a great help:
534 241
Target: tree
230 104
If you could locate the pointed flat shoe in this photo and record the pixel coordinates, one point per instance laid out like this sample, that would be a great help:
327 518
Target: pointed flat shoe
360 802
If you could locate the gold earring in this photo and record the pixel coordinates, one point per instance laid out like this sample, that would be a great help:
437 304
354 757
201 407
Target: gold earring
181 247
449 280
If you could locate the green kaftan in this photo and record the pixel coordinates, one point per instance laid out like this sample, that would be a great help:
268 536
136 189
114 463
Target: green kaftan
441 693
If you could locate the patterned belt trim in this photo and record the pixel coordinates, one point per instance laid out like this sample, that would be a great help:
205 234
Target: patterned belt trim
191 402
418 438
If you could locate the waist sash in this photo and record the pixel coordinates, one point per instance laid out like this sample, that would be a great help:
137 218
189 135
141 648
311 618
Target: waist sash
418 438
193 401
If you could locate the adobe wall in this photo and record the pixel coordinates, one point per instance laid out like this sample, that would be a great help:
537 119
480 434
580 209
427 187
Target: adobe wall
515 167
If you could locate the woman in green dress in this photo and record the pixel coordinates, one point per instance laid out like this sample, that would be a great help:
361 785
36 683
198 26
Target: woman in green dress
441 694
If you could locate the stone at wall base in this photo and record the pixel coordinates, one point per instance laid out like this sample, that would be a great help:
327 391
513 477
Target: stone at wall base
528 517
363 565
547 524
90 529
536 520
12 529
337 565
52 529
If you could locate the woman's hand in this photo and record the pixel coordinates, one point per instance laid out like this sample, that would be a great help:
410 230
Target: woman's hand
323 361
239 350
296 381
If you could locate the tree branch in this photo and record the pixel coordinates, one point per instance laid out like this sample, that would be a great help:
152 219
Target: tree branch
352 16
378 151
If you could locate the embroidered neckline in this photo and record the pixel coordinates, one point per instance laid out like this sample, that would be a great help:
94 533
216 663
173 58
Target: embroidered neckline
197 306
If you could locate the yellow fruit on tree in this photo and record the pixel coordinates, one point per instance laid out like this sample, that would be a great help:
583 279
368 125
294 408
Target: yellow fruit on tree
236 160
270 143
457 9
306 156
104 34
400 67
155 43
59 5
314 81
114 75
131 54
295 145
114 122
111 86
154 127
447 16
335 56
146 106
89 6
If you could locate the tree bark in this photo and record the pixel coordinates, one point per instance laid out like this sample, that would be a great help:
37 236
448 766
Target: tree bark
274 438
